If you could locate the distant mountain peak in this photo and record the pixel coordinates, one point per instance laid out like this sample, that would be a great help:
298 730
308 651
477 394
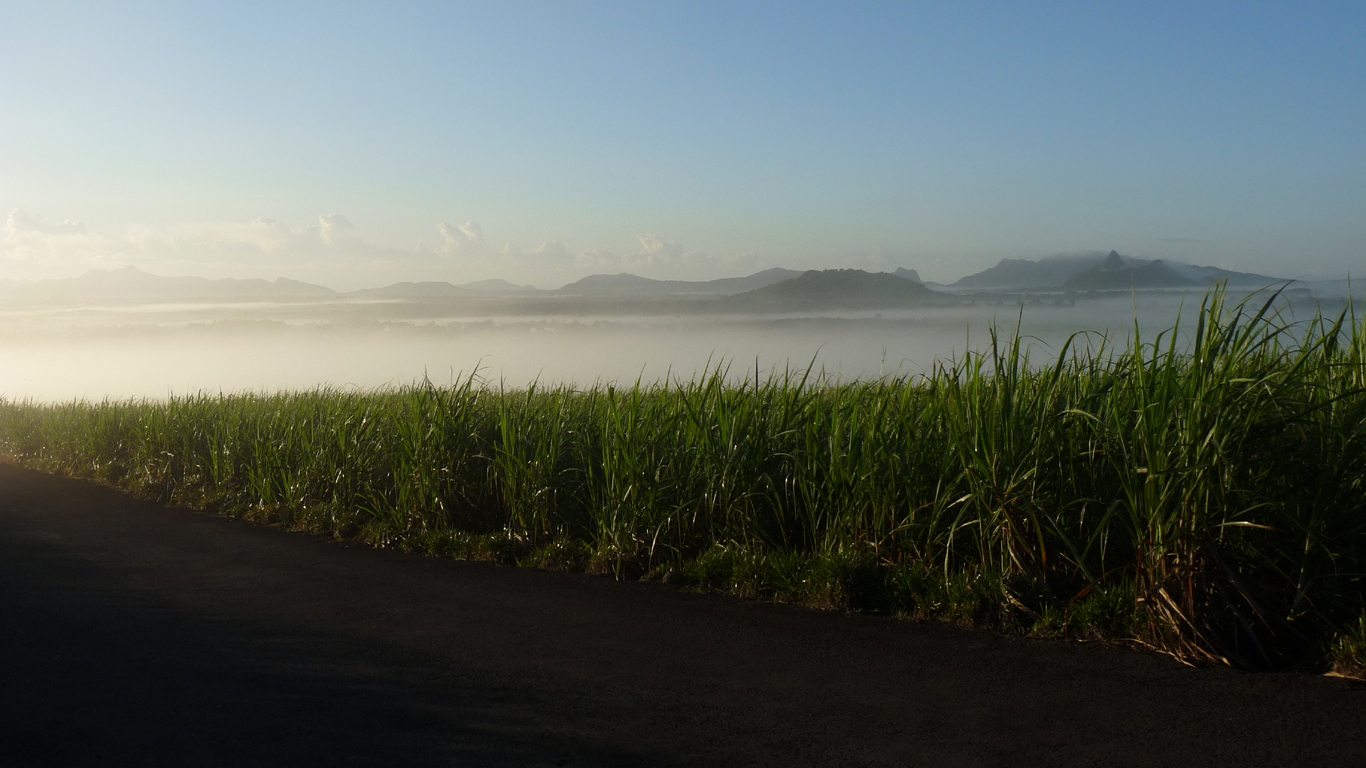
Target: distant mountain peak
119 273
1099 271
1113 261
626 285
839 289
498 285
1148 274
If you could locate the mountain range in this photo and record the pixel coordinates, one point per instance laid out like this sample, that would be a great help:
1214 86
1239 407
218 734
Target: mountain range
131 284
1101 272
625 284
438 290
772 288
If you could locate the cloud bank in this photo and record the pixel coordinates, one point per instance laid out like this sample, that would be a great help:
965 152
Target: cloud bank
333 251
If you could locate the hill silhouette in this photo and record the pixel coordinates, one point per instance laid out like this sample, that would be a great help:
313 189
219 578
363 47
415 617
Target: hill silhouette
433 290
1027 274
839 289
627 285
1099 271
1115 274
130 284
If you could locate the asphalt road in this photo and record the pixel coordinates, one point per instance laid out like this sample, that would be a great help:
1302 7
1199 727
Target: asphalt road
136 634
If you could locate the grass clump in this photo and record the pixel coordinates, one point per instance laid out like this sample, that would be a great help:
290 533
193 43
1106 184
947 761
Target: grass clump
1349 650
1203 492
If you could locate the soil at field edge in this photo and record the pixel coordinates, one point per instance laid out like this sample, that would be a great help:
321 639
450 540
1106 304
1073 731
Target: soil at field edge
136 634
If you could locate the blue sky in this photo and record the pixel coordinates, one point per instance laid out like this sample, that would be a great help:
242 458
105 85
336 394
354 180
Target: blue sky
357 144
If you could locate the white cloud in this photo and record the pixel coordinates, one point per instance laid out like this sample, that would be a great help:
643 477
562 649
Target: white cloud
33 246
472 231
553 249
465 239
332 227
657 250
330 250
21 223
658 253
451 235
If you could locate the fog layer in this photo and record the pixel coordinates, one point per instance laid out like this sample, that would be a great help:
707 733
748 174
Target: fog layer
155 351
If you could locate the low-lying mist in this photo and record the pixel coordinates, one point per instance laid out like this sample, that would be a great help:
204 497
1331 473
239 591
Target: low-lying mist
156 351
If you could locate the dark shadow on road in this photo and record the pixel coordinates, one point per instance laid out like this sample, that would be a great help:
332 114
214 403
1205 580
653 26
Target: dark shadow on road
135 634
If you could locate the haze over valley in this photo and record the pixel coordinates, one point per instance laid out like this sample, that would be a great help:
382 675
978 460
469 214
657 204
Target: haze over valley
128 333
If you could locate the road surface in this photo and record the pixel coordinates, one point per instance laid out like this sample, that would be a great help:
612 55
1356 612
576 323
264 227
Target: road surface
137 634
